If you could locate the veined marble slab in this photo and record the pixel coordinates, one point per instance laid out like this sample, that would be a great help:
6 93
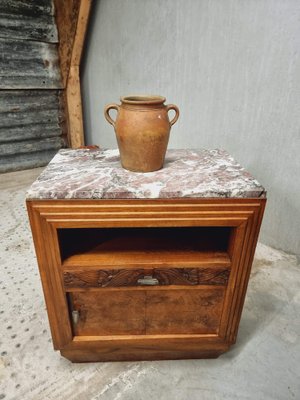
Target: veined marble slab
98 174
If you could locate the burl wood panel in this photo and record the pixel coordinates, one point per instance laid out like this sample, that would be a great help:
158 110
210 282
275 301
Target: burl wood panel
107 313
122 277
183 311
148 312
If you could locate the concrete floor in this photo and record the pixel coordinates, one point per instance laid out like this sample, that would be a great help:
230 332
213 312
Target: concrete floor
264 364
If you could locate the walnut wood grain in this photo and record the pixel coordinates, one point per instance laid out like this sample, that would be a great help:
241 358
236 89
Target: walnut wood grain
130 277
148 312
174 257
160 347
47 217
103 313
184 311
144 347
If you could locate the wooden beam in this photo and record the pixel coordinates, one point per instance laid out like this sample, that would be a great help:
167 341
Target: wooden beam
72 19
74 107
66 15
73 84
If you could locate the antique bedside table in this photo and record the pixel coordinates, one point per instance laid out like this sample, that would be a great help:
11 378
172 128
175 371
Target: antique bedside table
144 266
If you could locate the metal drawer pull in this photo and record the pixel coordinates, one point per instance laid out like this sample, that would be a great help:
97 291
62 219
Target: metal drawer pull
75 316
148 280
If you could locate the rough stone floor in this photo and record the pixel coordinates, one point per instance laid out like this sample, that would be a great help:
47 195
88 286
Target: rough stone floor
264 364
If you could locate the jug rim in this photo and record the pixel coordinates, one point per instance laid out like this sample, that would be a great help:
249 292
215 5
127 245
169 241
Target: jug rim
142 99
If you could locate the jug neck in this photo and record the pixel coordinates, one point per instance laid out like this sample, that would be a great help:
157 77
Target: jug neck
143 101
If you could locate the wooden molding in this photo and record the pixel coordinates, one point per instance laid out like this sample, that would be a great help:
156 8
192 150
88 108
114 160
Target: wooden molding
72 20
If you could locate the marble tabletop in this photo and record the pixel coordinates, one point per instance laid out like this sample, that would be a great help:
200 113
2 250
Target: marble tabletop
97 174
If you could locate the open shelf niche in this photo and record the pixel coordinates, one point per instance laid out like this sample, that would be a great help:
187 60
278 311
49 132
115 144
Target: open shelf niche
136 247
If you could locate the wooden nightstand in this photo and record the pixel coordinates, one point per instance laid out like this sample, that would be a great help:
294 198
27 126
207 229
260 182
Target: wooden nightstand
144 266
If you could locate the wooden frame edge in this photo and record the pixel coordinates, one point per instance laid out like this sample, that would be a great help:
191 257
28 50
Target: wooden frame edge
58 321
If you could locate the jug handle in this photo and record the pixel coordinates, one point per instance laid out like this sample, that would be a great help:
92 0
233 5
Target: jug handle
176 109
106 113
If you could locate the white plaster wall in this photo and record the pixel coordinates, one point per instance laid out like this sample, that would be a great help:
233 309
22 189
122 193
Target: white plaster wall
233 68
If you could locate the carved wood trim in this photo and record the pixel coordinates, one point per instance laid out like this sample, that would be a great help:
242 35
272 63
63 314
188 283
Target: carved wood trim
130 277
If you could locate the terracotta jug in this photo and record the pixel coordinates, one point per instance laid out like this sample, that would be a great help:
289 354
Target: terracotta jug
142 129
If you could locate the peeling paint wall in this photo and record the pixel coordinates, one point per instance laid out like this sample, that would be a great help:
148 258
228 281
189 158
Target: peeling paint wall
233 68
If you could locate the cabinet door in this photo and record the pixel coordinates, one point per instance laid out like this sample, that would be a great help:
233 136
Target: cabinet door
188 311
147 312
